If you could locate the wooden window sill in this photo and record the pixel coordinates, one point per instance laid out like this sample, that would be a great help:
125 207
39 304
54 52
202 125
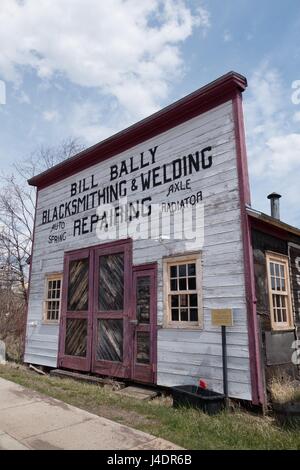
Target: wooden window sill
282 330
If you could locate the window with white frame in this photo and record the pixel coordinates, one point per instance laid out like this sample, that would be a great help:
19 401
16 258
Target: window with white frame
182 291
52 298
279 291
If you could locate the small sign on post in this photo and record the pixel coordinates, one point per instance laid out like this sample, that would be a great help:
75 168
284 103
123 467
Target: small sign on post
223 317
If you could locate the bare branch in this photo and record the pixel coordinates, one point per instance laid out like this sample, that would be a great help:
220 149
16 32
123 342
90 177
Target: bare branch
17 207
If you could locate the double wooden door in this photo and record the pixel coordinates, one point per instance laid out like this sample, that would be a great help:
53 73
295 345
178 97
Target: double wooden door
108 317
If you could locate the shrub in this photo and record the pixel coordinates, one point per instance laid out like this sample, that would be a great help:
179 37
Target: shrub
284 390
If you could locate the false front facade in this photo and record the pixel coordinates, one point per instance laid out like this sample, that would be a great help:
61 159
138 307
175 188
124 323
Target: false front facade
138 239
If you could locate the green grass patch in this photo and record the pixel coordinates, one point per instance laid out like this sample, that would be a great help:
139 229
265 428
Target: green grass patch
185 427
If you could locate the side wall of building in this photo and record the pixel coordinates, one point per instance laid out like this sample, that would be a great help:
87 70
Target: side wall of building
276 345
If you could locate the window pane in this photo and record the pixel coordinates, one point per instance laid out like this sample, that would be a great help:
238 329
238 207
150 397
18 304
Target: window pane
174 300
54 315
272 269
173 284
193 314
272 283
184 314
143 299
173 271
184 300
193 300
279 316
182 270
175 314
192 283
192 269
110 340
76 335
182 284
284 316
277 270
143 347
282 270
111 282
78 285
278 283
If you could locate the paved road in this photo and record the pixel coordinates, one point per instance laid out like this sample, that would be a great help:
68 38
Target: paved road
29 420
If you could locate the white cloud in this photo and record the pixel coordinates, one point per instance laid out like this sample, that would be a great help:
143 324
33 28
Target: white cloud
273 142
51 115
284 153
203 19
129 49
89 124
264 115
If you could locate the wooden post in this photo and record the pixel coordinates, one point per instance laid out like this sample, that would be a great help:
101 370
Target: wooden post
224 358
223 317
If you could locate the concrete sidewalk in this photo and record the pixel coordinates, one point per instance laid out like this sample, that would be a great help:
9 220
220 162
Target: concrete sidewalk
29 420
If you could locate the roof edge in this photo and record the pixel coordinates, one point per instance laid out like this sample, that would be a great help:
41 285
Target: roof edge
198 102
267 219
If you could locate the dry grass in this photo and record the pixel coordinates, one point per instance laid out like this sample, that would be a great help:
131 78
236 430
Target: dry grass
284 390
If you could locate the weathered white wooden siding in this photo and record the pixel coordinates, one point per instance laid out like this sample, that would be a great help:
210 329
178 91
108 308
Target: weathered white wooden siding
183 355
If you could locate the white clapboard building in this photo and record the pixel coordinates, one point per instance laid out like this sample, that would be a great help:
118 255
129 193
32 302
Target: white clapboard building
139 240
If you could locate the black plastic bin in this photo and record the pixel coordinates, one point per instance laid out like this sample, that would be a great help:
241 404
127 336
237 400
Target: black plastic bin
206 400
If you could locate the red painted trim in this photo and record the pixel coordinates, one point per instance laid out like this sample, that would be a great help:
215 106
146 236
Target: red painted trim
214 94
143 372
29 278
61 331
71 362
103 366
258 392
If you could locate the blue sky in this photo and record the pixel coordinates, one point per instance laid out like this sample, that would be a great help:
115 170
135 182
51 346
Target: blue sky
86 69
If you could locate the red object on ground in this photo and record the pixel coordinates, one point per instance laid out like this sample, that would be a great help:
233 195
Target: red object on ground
202 383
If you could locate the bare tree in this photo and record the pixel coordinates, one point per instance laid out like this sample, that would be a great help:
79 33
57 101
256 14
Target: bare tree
17 207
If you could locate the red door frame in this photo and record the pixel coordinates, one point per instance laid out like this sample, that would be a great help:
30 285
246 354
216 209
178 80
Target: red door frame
143 372
74 362
114 369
